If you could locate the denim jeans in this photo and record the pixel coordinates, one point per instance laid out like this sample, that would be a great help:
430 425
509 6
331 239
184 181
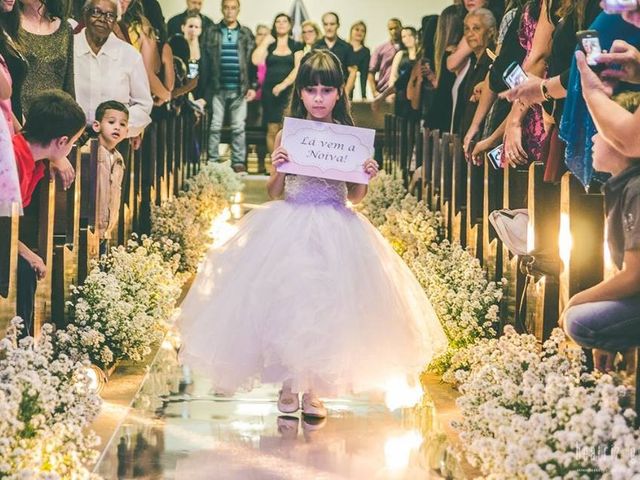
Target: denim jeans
612 325
236 105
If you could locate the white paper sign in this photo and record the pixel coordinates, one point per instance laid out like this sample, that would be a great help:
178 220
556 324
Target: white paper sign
327 150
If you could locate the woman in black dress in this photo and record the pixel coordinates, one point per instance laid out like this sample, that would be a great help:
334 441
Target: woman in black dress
362 54
282 55
401 67
448 34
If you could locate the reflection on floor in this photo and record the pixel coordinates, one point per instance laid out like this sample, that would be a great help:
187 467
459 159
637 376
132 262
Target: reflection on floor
179 429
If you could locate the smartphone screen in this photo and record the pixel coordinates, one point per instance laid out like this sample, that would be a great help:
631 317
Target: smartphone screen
618 6
193 70
592 50
495 157
514 75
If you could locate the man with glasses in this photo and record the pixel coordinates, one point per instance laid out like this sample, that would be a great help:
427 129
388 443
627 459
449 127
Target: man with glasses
229 80
107 68
340 48
382 58
174 23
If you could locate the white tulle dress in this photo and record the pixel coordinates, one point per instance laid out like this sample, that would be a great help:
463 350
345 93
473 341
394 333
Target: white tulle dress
307 290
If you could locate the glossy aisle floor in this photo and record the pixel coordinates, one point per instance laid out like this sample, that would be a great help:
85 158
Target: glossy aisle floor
178 428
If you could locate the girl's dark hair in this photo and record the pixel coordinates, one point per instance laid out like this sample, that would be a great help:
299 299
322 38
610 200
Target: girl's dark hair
274 34
320 67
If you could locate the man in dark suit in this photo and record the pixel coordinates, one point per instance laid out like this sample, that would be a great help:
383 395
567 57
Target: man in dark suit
176 22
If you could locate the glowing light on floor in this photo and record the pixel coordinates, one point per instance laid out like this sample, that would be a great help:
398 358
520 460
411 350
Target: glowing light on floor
221 230
397 450
399 394
254 409
236 211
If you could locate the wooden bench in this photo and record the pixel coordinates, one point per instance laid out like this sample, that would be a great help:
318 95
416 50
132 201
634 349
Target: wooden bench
66 242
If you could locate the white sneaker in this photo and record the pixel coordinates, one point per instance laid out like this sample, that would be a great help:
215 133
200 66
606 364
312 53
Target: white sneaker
312 406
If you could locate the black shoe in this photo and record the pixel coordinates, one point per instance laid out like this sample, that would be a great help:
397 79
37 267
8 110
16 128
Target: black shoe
239 168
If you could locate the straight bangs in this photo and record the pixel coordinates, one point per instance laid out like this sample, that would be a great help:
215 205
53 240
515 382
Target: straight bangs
320 67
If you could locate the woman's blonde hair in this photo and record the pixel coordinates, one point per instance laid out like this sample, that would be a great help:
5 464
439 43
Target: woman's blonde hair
312 24
359 23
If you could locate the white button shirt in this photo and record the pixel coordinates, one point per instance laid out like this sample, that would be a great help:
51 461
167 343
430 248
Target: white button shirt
116 72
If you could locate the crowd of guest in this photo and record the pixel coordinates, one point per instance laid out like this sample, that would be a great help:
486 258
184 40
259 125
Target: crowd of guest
551 81
116 65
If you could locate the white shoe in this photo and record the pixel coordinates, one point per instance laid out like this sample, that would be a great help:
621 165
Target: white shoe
288 402
312 406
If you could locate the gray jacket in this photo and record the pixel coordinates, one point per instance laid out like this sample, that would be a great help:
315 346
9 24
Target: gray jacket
210 61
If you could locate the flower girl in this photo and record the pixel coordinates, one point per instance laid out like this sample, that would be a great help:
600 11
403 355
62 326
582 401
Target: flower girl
307 293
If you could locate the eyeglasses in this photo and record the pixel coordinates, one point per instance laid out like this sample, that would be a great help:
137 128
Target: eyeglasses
96 13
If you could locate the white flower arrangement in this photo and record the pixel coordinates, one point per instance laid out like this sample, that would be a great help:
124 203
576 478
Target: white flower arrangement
466 303
529 411
186 218
46 405
411 226
385 191
121 309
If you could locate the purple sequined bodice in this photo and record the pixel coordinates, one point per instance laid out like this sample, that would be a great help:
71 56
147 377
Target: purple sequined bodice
311 190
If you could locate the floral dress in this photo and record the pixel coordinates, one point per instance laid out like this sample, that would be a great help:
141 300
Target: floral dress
533 133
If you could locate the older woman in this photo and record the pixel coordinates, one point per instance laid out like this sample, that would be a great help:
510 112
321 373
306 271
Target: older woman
107 68
310 35
480 33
